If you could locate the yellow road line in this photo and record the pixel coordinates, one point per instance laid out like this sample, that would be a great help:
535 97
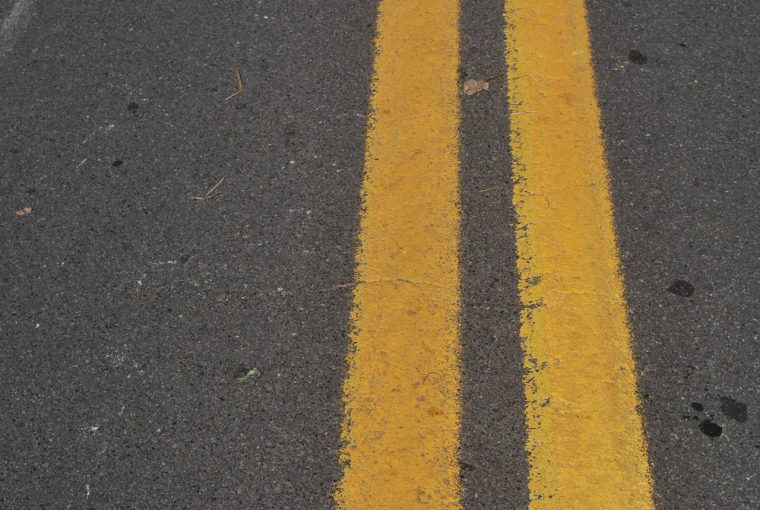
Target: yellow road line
585 442
401 394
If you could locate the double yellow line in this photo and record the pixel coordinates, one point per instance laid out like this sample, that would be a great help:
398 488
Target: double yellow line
402 413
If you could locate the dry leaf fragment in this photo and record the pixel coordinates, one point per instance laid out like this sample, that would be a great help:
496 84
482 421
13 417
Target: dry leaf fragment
24 211
247 376
472 87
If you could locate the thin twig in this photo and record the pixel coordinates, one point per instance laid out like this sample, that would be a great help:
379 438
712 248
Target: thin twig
208 195
488 189
341 286
240 86
215 186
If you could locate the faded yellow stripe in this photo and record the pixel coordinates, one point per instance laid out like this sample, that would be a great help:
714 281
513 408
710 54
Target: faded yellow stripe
401 426
585 442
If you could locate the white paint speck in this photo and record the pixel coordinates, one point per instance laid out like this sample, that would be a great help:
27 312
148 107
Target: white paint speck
164 263
104 129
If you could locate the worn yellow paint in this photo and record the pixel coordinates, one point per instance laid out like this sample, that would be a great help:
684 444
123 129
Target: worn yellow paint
585 441
402 412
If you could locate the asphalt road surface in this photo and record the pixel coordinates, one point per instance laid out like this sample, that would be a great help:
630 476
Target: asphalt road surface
135 302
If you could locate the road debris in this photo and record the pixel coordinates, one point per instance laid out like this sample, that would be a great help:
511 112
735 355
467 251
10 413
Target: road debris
210 193
247 376
472 87
240 86
24 211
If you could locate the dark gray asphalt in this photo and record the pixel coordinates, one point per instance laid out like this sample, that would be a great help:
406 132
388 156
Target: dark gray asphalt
129 308
683 145
494 466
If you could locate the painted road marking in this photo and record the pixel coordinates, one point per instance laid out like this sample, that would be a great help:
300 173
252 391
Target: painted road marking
585 442
401 394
